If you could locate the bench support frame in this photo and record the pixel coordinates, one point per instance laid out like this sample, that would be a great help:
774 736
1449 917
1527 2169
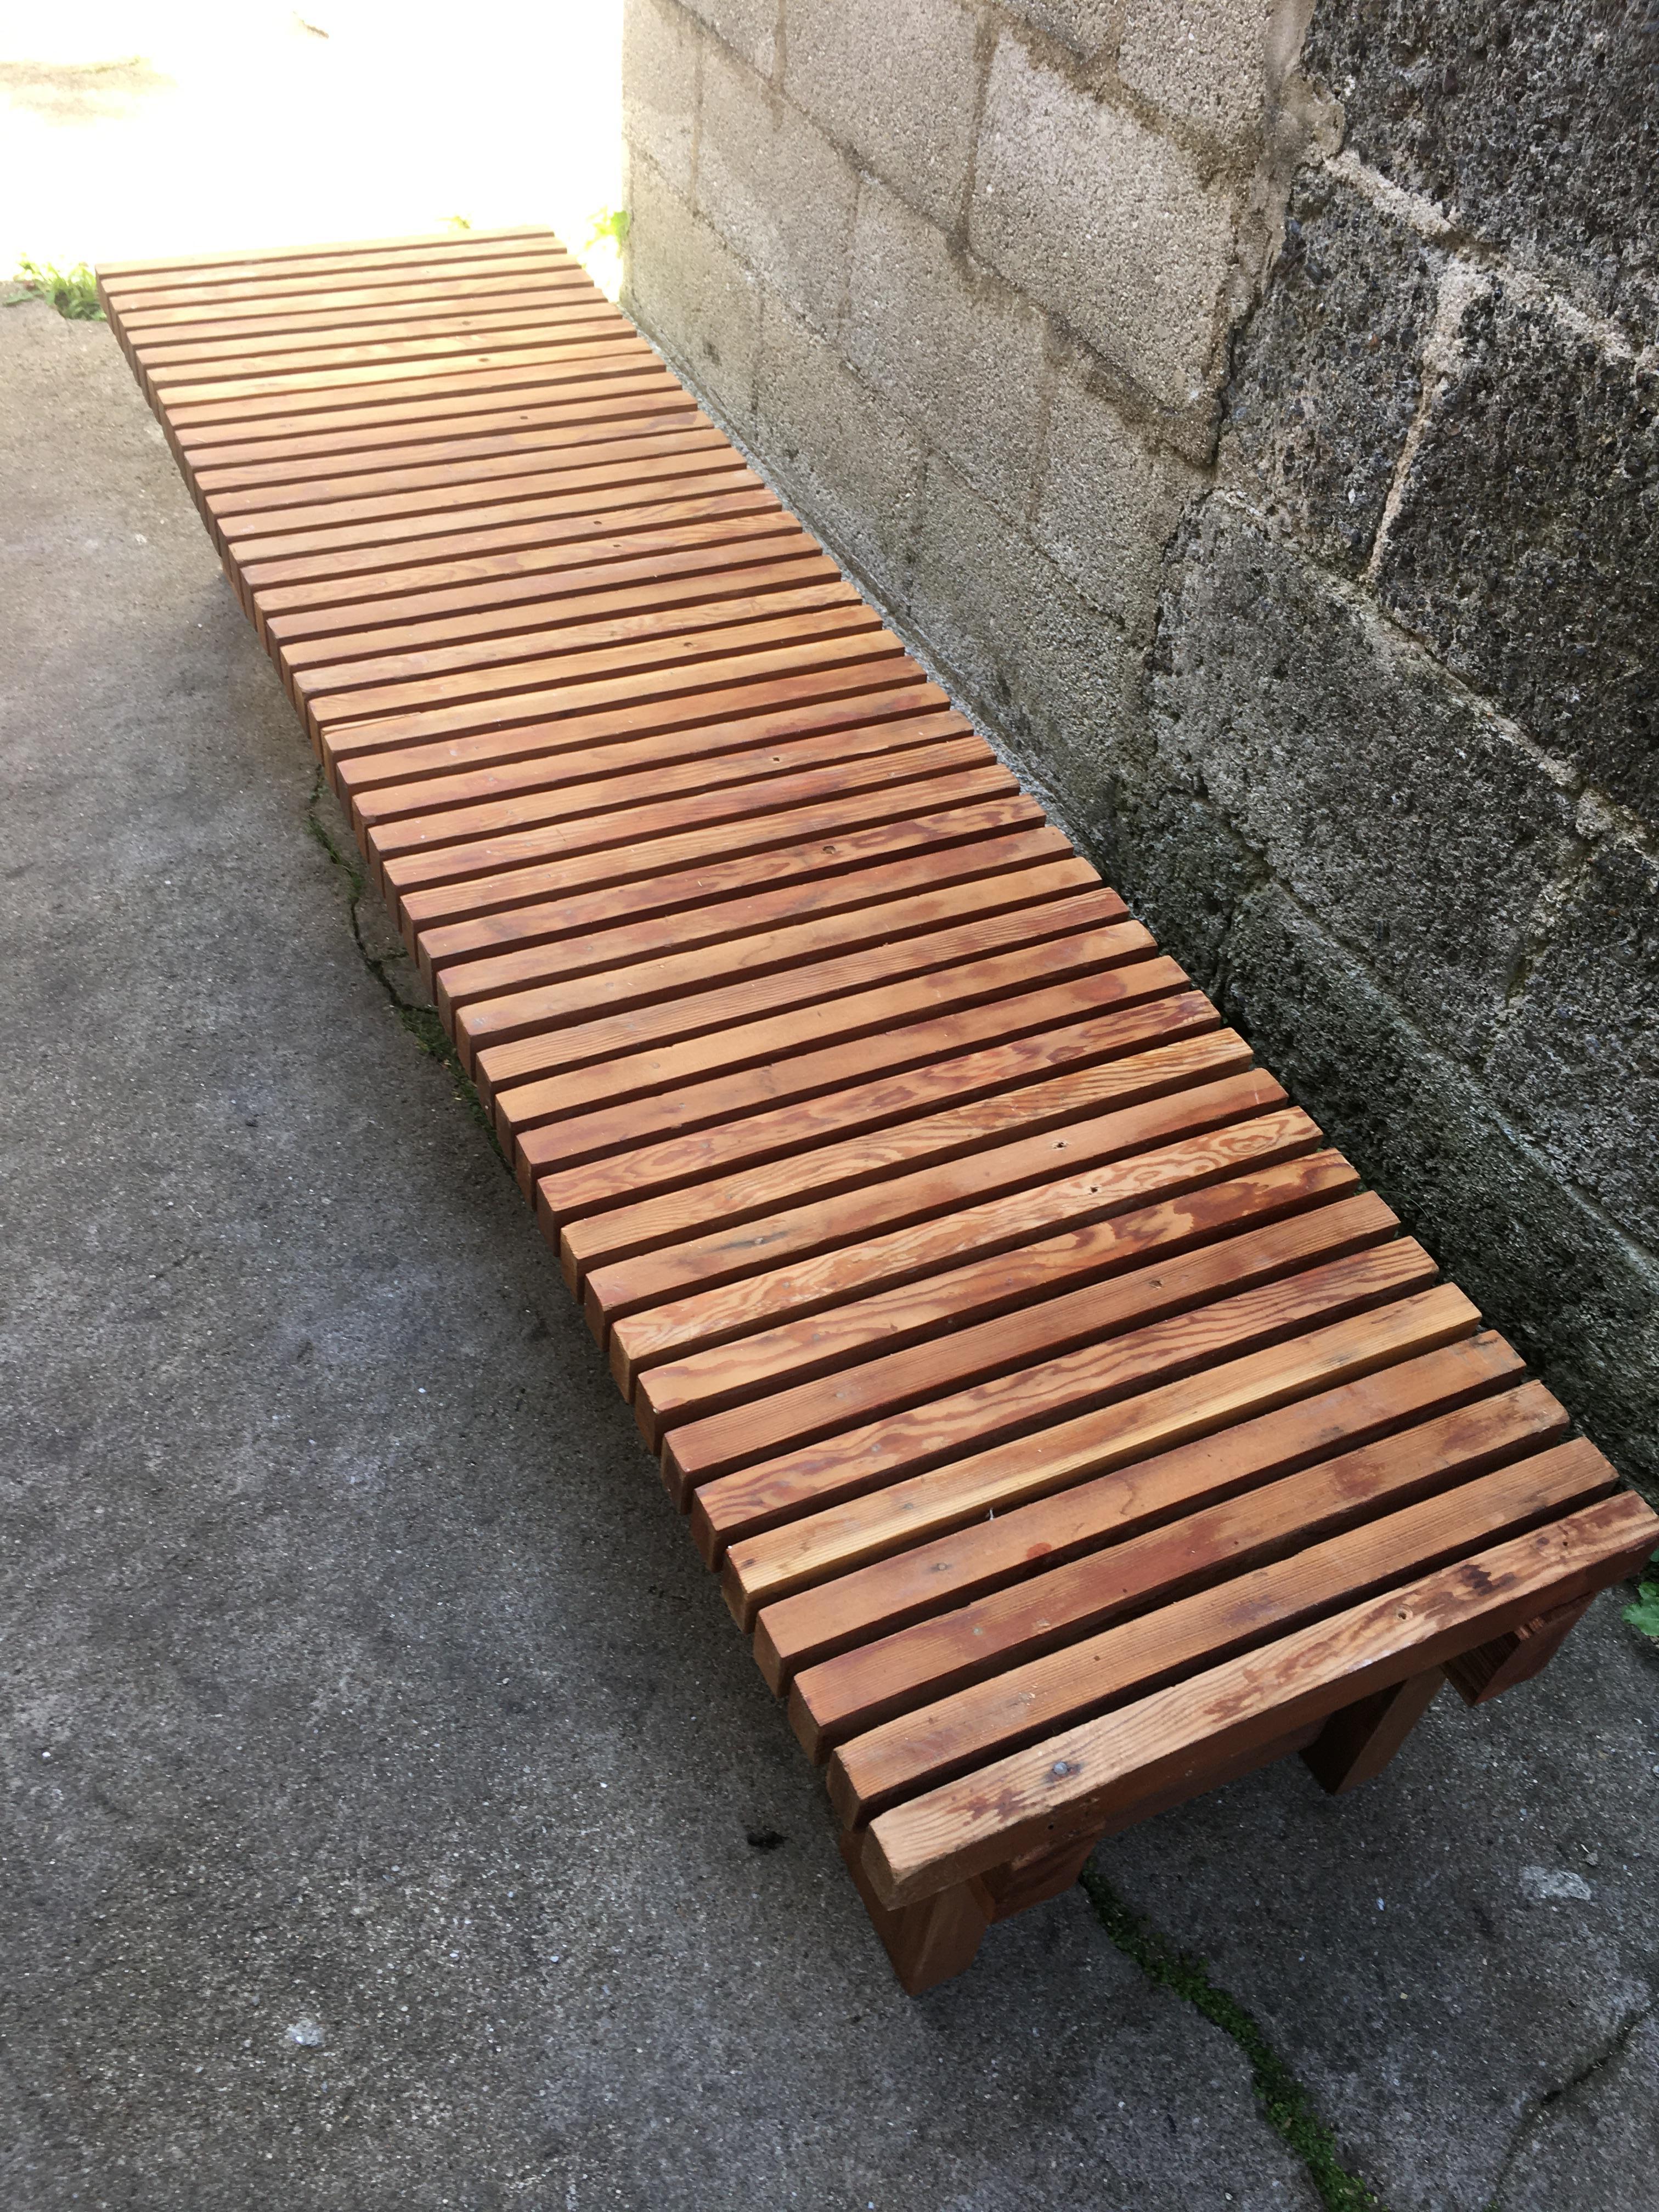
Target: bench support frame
937 1937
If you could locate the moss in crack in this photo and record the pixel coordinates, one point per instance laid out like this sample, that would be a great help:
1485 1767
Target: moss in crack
422 1022
1286 2105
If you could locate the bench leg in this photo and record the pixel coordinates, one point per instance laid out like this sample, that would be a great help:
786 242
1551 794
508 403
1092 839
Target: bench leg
1359 1740
1035 1878
1491 1668
931 1940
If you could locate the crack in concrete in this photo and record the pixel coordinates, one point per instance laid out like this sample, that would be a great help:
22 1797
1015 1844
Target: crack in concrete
1546 2103
422 1022
1284 2101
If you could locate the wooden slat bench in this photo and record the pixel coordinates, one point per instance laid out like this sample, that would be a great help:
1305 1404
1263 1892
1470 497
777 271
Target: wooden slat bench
1069 1430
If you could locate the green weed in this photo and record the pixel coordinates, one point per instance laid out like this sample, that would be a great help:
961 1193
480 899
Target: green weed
610 223
1286 2104
1644 1615
73 292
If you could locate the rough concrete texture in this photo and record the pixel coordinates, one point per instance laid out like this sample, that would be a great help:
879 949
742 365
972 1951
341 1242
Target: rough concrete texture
897 86
1526 544
959 352
661 54
394 1817
1032 659
773 188
683 277
838 454
1109 499
1548 1266
1537 127
1327 374
1202 61
1408 822
1090 28
750 28
1577 1063
1103 222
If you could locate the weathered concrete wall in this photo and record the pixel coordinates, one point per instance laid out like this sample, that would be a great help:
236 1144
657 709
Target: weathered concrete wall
1252 410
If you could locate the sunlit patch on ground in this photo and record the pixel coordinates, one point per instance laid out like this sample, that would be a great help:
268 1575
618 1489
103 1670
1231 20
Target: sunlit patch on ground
131 127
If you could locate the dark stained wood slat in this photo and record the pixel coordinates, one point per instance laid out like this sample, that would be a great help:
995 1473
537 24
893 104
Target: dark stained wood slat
1069 1429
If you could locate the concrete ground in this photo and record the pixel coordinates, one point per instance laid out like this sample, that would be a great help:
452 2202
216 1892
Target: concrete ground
394 1819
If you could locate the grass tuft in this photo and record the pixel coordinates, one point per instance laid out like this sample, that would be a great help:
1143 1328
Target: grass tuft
73 292
1644 1615
1286 2104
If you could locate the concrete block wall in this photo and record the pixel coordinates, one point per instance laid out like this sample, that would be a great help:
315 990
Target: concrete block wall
1250 409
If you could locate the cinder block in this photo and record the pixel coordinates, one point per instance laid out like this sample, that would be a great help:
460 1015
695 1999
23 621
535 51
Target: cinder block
750 28
1089 27
1577 1061
1524 546
954 347
1105 223
1184 872
897 85
1579 1300
691 295
1327 376
1048 674
1109 503
1405 819
1536 125
775 188
1203 61
839 452
661 50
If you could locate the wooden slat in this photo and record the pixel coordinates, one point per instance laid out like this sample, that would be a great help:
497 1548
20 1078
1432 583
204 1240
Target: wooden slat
973 1359
757 1163
991 1200
996 1645
731 896
999 1003
1068 1427
952 969
915 1548
844 1461
1070 1784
